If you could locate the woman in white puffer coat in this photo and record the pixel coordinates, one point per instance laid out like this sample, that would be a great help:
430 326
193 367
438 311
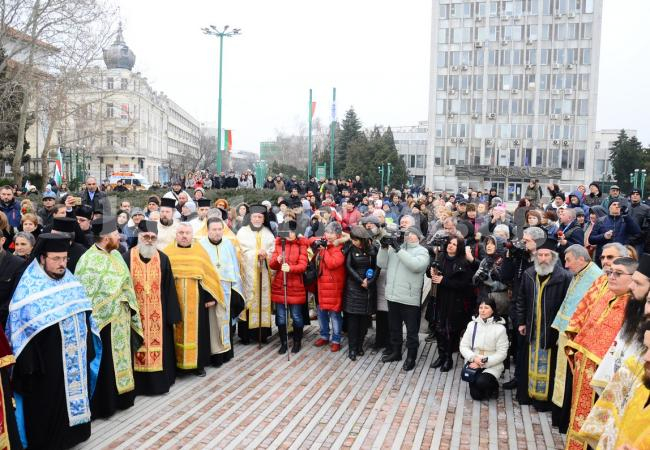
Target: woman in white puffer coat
488 350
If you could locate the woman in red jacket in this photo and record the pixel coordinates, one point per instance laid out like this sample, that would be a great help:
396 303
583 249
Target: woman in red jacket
293 265
330 283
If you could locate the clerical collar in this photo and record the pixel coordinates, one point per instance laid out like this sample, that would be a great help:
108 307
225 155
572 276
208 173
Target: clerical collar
254 228
102 249
215 243
183 246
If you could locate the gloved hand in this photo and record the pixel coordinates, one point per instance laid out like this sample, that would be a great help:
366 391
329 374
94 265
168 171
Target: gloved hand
396 245
285 267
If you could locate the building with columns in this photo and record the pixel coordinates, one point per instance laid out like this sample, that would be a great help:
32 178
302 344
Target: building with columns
513 93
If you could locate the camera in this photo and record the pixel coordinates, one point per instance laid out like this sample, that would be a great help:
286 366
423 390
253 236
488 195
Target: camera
483 273
394 236
440 239
516 248
435 265
322 242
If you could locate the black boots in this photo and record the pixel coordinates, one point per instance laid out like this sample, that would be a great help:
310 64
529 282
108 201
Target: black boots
447 365
442 352
297 339
411 356
282 332
392 354
352 355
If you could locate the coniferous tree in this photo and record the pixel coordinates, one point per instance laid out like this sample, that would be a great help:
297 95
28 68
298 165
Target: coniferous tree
350 131
626 155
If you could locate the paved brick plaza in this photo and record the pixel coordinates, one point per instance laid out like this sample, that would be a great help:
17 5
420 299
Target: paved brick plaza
323 400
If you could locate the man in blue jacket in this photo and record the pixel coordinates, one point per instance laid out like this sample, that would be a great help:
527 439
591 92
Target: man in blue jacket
614 228
10 206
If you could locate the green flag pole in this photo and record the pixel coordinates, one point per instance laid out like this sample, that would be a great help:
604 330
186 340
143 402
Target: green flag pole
332 131
310 148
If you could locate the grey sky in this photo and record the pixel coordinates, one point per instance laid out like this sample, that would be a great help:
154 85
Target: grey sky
376 53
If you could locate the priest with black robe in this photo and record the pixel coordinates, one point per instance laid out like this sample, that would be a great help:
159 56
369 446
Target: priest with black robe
57 348
155 291
66 226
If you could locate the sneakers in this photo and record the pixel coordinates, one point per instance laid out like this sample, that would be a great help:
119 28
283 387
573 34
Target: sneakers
335 347
320 342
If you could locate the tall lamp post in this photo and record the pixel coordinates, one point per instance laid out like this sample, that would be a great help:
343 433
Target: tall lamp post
214 31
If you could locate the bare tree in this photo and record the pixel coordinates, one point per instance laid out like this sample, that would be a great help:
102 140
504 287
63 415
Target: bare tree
55 41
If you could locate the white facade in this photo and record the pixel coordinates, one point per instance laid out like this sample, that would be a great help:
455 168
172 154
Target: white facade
411 144
513 93
603 141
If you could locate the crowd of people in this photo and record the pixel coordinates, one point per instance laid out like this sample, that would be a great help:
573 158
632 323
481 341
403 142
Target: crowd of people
102 302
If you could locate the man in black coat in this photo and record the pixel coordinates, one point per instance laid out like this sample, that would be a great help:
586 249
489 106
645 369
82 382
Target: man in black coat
542 291
68 226
569 232
93 197
11 269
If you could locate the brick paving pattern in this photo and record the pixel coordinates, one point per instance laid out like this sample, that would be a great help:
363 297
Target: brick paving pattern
323 400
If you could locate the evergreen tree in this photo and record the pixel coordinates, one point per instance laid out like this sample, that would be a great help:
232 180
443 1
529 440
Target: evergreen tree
351 131
626 155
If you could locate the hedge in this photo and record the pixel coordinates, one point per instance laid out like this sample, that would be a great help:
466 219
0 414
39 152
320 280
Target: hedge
234 196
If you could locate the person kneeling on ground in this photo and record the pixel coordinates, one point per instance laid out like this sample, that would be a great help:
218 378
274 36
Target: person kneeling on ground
485 346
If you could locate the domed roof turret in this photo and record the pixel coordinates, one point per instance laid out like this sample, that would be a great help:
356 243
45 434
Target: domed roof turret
119 55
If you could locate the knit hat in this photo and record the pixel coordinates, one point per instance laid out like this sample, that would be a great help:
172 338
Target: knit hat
416 231
359 232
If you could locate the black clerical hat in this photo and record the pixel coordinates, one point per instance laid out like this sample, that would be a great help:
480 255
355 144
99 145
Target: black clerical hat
549 244
148 226
644 265
64 224
105 225
258 209
50 242
84 211
203 203
168 202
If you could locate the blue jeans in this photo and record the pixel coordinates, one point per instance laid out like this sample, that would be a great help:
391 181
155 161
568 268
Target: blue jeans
294 310
324 322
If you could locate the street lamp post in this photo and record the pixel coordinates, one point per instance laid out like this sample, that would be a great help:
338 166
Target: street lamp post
380 169
214 31
390 167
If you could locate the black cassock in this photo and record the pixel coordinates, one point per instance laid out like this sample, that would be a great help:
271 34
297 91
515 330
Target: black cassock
38 378
156 383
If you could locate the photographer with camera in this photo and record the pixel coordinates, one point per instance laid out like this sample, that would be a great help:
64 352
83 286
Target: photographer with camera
488 277
451 273
382 333
405 264
616 227
330 263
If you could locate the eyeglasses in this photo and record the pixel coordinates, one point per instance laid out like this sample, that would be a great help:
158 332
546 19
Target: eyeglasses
58 259
615 273
151 238
603 257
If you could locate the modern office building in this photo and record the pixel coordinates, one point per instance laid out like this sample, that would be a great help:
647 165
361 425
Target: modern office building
411 144
603 141
513 93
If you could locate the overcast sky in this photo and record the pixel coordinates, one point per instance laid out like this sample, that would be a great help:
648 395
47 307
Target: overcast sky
376 53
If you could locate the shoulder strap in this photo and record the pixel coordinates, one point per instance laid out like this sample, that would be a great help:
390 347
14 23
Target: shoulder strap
474 335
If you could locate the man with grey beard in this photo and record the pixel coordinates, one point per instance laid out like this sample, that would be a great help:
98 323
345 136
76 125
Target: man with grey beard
543 288
155 292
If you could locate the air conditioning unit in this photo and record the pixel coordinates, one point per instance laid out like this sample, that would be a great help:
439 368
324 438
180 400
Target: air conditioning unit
567 117
530 42
571 15
505 43
558 15
492 116
517 18
556 142
566 143
505 18
479 19
451 115
474 116
454 68
450 167
465 91
452 91
489 142
515 91
556 91
461 140
531 86
557 66
555 116
568 92
478 44
529 67
464 67
569 66
454 140
515 142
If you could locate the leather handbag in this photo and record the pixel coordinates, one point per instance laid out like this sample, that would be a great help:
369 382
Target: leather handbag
468 374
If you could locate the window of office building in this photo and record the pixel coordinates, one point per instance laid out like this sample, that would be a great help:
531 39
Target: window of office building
560 31
572 31
437 155
554 157
123 140
475 156
567 158
545 57
477 105
479 55
532 32
530 82
492 106
585 56
570 81
586 30
546 32
453 82
558 56
544 81
515 107
540 157
440 129
110 111
109 83
582 107
443 36
531 56
443 11
584 81
504 107
478 82
109 137
488 155
442 59
529 107
462 155
452 155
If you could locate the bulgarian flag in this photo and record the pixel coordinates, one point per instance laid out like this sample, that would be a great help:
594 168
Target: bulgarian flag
227 140
58 167
313 108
